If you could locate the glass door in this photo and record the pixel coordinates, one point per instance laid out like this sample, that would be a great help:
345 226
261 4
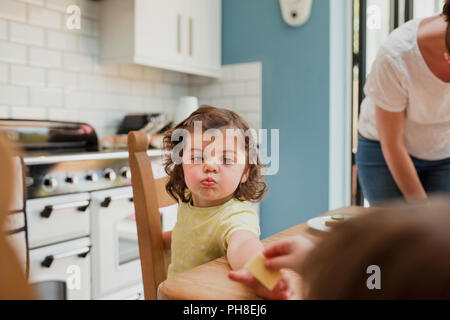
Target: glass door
373 21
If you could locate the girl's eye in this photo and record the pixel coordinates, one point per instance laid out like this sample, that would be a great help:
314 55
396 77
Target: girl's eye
197 159
228 160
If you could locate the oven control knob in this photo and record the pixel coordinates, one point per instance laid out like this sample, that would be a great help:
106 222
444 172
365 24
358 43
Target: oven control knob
72 180
92 177
109 174
125 173
50 183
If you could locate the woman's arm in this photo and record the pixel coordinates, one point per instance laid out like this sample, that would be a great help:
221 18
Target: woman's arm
390 126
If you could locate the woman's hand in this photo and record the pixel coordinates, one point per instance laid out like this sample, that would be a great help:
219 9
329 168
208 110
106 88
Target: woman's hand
282 290
288 253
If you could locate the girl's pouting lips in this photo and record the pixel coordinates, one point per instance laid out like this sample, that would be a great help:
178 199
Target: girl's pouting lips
208 182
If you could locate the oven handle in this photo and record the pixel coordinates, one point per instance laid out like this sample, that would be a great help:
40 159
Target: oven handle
80 205
107 201
82 253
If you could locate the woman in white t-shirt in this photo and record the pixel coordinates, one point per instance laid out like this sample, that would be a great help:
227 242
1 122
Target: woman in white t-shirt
404 126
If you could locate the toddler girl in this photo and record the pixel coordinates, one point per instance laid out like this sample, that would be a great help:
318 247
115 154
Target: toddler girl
212 176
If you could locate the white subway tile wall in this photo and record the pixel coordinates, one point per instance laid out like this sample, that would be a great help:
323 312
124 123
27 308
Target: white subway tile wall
4 72
3 29
22 33
45 58
27 76
239 89
11 52
50 72
13 10
4 112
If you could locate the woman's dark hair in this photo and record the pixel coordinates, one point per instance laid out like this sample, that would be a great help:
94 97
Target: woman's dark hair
410 244
215 118
446 13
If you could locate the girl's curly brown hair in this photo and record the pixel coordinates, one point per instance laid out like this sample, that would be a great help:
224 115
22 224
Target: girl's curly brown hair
446 13
214 118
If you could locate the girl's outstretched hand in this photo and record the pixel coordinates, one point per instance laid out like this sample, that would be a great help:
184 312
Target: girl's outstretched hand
282 291
287 253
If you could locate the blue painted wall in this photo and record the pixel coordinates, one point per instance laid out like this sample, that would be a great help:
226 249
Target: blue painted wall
295 97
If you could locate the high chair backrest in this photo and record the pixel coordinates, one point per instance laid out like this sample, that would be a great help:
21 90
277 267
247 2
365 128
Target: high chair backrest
149 195
13 284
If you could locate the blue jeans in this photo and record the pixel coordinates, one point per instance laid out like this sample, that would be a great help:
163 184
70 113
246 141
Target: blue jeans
377 182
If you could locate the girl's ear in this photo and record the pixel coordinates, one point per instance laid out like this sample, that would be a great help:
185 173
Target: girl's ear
447 57
245 175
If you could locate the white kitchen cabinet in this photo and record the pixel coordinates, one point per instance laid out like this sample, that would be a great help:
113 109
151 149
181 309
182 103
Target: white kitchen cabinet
204 28
178 35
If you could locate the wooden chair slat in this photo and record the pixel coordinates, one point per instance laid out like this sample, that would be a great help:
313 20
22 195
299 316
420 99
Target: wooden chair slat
149 195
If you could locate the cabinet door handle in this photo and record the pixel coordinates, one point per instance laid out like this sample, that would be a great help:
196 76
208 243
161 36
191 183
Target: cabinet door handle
179 33
191 27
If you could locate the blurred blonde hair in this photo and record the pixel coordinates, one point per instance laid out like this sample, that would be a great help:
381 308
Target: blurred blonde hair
410 244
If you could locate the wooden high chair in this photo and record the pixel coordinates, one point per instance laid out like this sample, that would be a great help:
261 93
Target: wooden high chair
149 195
13 284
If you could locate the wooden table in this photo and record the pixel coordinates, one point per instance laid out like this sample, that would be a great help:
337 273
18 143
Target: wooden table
210 281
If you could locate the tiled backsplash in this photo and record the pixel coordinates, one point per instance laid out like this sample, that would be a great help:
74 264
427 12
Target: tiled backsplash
239 89
50 72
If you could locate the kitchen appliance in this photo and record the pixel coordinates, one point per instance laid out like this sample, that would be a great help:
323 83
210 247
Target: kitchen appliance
184 108
82 237
152 123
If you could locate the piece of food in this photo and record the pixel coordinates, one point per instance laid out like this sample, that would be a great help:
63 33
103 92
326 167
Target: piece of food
335 220
268 277
337 217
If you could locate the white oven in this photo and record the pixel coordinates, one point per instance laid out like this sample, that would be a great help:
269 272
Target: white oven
116 268
115 250
62 271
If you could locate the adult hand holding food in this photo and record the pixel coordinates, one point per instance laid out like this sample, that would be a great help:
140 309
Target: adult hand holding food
288 253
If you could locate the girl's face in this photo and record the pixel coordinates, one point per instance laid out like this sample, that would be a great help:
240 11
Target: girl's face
214 170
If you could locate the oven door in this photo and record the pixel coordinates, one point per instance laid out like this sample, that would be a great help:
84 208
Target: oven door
62 271
55 219
115 249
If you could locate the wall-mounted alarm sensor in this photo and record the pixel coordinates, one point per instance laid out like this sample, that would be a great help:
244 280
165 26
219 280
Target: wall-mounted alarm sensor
296 12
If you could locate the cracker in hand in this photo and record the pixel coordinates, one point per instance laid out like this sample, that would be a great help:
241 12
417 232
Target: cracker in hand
268 277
